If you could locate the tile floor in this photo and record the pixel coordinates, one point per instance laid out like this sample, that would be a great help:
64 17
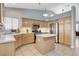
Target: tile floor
60 50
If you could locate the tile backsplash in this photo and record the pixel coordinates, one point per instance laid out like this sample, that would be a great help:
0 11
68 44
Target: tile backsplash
29 30
23 30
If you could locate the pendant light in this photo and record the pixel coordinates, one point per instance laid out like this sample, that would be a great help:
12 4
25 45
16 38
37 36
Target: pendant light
45 14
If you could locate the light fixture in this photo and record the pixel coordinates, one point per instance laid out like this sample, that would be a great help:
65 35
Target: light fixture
45 15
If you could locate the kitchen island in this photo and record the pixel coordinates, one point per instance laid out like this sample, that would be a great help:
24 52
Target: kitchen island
45 42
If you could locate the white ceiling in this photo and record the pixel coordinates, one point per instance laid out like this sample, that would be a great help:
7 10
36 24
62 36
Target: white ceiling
30 5
55 7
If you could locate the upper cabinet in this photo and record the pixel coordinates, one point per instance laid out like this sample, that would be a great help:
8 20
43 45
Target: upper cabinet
30 22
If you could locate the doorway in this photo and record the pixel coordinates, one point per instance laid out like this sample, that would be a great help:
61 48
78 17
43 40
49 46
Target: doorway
54 29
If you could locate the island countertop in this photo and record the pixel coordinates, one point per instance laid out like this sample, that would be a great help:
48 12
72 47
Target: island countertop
45 35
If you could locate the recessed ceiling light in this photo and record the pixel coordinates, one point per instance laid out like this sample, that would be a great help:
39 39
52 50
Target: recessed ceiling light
45 15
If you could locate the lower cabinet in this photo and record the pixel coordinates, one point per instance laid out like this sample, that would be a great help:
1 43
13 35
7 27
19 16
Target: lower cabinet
18 40
24 39
28 38
7 49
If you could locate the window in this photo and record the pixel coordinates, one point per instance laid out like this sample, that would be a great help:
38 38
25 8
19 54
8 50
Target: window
11 23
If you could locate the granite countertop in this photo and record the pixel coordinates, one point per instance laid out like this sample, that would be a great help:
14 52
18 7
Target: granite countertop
6 38
46 35
14 33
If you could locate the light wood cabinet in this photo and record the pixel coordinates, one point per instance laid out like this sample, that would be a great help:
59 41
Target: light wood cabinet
24 39
61 33
65 30
44 44
61 30
18 40
30 22
28 38
7 49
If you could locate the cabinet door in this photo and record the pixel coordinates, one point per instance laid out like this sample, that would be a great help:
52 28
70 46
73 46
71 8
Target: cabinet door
67 33
7 49
28 38
25 38
61 33
65 30
18 40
